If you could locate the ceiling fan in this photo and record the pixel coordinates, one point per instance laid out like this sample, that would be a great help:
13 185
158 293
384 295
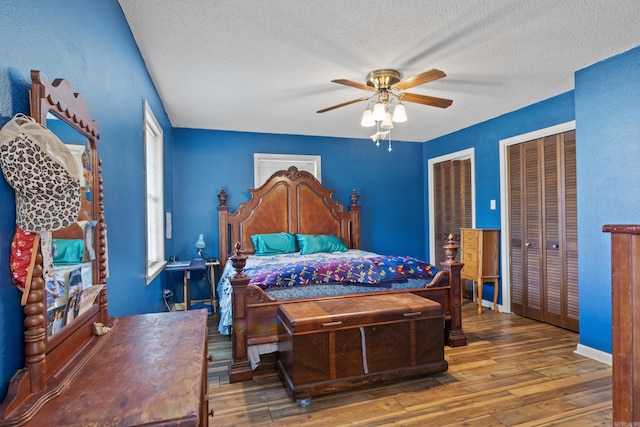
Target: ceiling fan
386 85
389 89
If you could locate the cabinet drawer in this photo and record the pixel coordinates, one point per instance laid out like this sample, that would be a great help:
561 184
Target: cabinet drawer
470 240
469 245
469 255
471 268
473 264
470 234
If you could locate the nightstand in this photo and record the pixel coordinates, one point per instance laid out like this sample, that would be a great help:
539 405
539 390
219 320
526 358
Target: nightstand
186 267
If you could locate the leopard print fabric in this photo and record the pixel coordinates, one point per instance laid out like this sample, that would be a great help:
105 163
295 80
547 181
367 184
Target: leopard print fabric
47 196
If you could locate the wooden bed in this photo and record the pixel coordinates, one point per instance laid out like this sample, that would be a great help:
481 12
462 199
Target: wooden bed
294 201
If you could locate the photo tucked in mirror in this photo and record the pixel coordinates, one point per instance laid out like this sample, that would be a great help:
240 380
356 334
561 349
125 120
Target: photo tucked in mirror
69 290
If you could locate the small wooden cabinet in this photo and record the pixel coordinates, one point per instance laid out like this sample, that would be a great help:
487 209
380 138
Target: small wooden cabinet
480 256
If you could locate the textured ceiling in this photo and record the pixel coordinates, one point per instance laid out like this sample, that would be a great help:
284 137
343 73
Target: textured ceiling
266 66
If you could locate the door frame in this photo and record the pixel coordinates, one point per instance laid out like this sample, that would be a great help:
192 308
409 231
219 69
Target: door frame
469 153
505 234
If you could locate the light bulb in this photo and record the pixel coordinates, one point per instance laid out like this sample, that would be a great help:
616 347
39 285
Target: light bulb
399 114
379 112
387 123
367 118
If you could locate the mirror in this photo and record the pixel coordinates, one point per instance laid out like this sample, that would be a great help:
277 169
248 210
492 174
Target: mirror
54 347
49 348
70 290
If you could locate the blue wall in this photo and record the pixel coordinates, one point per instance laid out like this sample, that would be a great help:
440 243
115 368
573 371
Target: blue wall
389 185
607 113
608 159
484 138
88 43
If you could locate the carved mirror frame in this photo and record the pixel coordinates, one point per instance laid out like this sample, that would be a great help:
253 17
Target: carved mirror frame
51 360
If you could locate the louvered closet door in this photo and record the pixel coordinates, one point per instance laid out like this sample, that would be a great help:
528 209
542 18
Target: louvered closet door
516 227
561 231
543 225
525 229
452 205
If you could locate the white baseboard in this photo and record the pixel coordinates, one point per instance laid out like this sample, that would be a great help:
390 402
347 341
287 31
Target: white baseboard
594 354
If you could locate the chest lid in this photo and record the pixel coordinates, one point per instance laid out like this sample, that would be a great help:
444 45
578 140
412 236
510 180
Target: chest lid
336 313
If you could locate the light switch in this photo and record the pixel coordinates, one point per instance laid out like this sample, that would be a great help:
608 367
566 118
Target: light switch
492 205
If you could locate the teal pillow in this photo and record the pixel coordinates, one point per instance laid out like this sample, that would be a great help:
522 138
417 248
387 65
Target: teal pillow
314 243
274 243
67 251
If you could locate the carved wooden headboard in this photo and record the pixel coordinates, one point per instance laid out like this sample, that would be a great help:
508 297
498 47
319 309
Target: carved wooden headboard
291 201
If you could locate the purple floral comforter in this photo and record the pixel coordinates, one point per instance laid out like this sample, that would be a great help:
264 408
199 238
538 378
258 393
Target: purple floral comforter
352 269
373 271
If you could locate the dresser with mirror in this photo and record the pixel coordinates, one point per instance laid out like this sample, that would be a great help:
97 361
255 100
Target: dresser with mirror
82 366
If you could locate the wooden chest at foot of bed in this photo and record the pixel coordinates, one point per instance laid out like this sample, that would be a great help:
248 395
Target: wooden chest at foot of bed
336 344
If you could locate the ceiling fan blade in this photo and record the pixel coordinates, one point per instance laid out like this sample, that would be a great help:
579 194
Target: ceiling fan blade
427 76
353 84
426 100
333 107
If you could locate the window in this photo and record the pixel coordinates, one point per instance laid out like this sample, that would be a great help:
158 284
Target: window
264 165
153 150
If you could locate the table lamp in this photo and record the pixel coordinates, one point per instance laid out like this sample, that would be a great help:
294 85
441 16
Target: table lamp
200 246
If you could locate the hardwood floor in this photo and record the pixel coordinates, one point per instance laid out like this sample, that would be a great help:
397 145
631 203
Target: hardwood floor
514 372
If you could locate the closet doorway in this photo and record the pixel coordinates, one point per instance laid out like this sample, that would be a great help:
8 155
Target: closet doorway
539 202
451 196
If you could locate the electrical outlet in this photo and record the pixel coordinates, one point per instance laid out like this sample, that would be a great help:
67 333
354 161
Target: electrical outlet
492 205
167 293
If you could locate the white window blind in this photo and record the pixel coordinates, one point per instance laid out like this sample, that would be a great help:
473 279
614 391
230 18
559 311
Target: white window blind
153 144
264 165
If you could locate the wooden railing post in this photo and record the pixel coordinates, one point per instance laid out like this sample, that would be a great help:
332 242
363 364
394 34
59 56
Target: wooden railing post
625 322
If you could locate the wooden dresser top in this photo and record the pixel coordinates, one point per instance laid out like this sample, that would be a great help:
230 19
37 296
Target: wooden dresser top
147 370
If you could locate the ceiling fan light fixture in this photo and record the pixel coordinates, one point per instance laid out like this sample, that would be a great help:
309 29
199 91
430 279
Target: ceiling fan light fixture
387 123
367 118
388 93
379 112
399 114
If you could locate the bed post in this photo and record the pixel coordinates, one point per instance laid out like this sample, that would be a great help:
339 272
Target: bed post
239 367
223 221
454 335
354 232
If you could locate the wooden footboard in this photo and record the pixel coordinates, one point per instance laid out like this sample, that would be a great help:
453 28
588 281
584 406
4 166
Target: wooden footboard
254 312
